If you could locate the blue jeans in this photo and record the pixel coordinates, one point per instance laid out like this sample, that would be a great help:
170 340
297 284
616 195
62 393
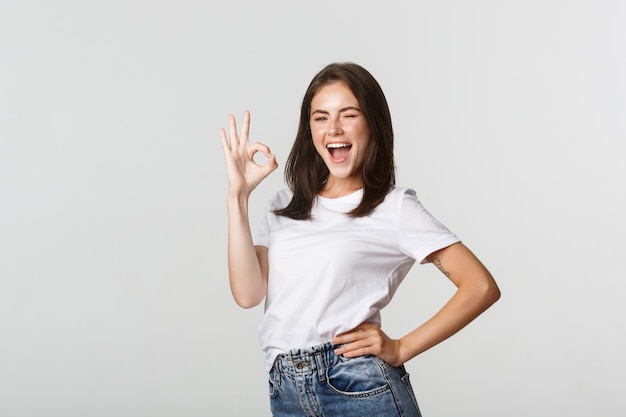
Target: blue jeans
316 382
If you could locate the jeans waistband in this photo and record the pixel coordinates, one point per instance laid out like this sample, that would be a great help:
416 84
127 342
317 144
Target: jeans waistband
311 360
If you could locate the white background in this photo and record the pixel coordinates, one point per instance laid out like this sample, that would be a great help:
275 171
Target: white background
510 122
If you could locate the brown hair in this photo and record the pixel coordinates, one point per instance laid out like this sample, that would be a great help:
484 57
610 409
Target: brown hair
305 171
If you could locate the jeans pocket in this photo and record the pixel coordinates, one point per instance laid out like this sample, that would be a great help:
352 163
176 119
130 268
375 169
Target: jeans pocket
407 384
357 377
273 383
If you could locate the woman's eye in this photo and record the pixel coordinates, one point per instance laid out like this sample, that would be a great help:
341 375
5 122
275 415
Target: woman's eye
319 119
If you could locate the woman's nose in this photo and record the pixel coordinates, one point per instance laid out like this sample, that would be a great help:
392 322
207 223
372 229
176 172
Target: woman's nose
334 128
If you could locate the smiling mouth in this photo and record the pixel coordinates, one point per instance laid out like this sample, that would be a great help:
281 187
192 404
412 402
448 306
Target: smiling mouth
338 151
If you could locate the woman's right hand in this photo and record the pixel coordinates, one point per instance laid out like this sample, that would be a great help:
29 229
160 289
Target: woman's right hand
244 174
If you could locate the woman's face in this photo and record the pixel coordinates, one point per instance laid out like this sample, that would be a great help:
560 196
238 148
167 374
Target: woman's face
340 133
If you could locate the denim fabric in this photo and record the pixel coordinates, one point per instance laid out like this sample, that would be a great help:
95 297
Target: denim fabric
316 382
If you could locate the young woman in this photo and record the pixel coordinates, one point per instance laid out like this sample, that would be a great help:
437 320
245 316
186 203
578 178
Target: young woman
332 251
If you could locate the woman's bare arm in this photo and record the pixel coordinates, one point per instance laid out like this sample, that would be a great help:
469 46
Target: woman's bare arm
247 265
476 291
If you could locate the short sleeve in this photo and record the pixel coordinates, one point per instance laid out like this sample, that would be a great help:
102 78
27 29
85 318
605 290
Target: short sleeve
420 234
261 235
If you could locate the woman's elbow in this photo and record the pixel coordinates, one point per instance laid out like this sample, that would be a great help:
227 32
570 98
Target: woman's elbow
247 301
490 293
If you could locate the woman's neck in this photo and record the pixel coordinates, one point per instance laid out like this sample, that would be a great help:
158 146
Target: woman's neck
334 188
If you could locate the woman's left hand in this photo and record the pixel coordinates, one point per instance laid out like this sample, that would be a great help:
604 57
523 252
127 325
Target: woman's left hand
368 339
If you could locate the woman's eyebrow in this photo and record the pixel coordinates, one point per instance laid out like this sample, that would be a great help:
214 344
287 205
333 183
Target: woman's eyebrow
340 111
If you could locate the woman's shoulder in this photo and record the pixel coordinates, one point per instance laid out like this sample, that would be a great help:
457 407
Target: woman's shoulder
402 199
280 199
400 193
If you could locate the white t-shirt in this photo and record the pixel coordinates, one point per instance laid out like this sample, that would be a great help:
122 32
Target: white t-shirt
329 274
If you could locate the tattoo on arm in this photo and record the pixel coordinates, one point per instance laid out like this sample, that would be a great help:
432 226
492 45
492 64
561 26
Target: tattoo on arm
439 265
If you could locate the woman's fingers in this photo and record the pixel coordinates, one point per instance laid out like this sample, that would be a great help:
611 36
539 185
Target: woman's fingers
244 173
271 164
234 139
356 344
360 333
232 126
259 147
239 140
225 142
367 339
245 129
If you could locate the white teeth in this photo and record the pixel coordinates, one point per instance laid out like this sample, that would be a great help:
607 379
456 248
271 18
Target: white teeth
338 145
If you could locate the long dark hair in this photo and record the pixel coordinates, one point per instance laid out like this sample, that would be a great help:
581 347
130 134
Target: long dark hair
305 171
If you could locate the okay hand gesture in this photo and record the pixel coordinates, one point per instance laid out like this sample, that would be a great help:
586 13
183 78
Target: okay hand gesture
244 174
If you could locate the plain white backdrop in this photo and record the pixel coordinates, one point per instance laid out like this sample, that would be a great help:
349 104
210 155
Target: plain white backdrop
510 122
